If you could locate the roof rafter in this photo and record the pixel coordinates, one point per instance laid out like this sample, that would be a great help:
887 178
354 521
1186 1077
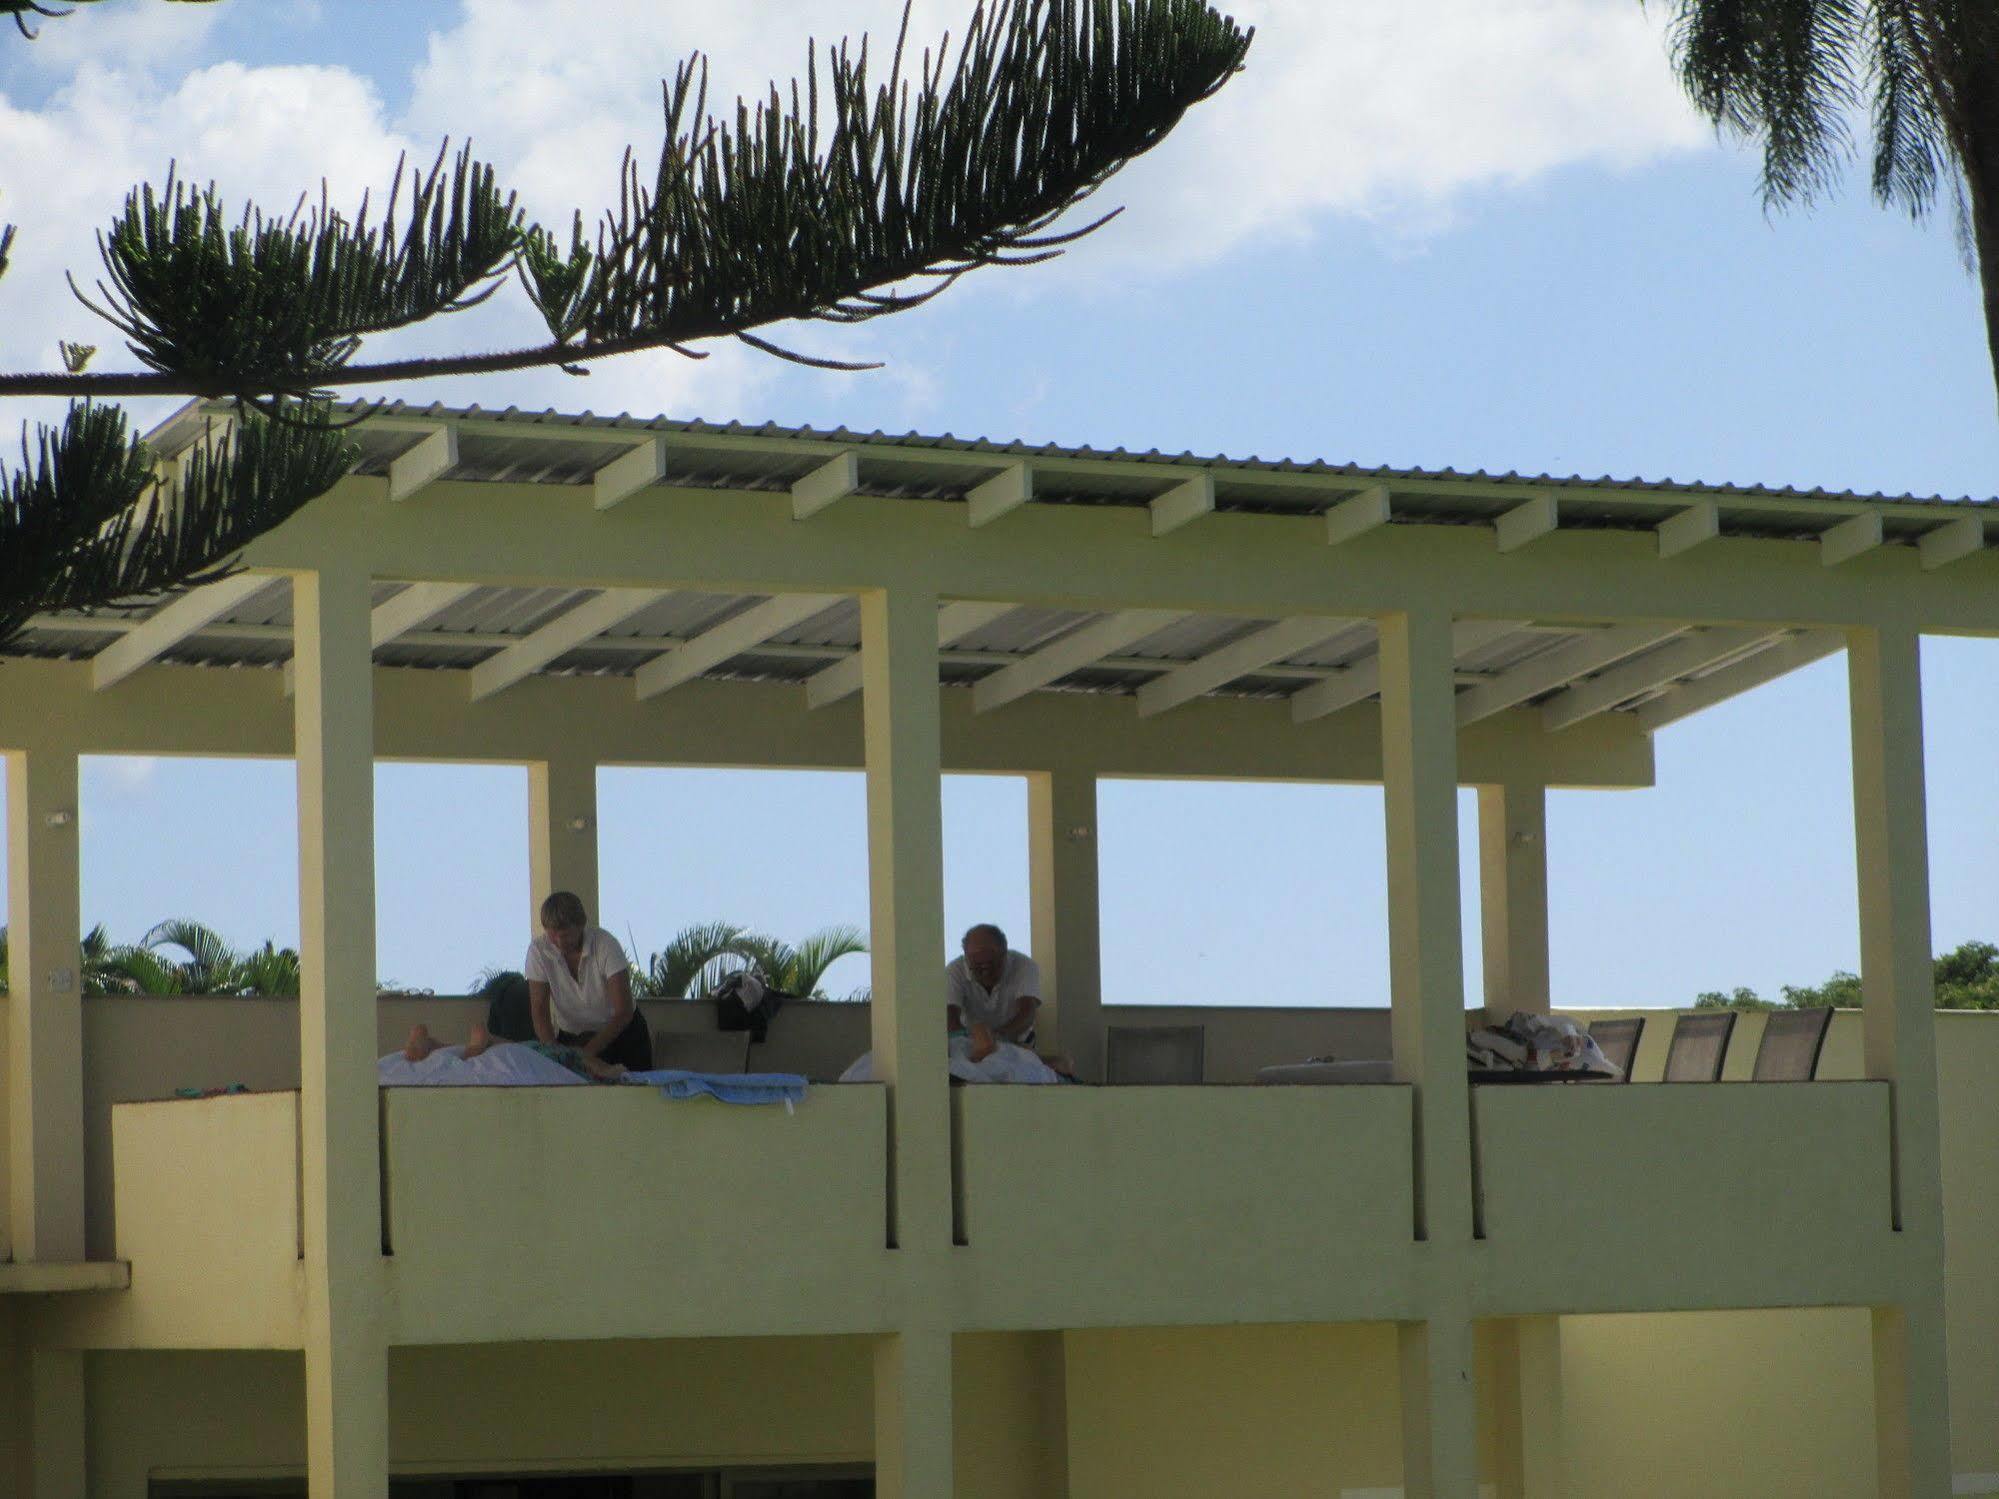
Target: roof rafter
1786 656
564 633
1009 489
1358 514
1236 659
1527 522
1184 502
1362 680
732 637
1702 648
1849 539
828 484
637 468
1077 649
1681 532
411 607
955 621
1552 669
433 456
147 642
1950 542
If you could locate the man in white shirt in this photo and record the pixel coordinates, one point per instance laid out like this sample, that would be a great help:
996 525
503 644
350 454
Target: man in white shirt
994 986
580 988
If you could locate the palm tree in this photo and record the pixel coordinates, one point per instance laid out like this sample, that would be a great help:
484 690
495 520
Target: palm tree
1794 73
800 970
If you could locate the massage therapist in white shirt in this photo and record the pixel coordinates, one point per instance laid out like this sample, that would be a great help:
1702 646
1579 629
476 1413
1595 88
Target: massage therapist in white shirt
580 988
995 986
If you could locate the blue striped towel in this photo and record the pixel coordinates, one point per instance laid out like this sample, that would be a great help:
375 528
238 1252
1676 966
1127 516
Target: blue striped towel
786 1088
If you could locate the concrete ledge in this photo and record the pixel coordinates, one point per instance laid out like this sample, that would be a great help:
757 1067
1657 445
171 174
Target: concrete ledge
46 1277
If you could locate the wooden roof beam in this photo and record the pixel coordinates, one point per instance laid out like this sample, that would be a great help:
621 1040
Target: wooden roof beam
1558 667
637 468
732 637
410 608
1358 514
568 630
1951 542
1007 490
1092 642
955 621
423 465
1684 530
1526 523
1778 660
1362 680
151 639
826 485
1850 538
1236 659
1599 694
1182 503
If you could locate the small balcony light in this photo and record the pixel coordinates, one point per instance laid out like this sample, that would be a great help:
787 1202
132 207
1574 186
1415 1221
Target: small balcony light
60 818
579 824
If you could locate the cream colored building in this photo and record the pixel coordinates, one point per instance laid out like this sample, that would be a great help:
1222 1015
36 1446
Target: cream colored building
1090 1291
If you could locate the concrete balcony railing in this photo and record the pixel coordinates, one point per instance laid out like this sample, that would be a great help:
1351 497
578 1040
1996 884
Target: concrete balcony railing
1095 1206
1685 1196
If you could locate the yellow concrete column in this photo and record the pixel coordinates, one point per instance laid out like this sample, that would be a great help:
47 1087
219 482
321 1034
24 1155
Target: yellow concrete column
1911 1399
562 832
1426 965
1513 895
55 1419
906 909
346 1357
1527 1404
45 1009
1062 876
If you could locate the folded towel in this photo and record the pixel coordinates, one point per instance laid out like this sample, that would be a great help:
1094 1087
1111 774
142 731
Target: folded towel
786 1088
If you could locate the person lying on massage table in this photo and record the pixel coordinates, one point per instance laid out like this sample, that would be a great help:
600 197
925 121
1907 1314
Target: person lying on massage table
478 1040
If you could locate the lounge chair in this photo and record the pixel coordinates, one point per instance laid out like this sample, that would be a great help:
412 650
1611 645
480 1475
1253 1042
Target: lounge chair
1618 1041
1792 1041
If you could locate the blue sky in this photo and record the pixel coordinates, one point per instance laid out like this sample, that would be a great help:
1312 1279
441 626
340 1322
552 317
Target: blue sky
1506 248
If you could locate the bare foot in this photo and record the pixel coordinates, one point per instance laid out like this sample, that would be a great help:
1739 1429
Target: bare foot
420 1044
983 1043
604 1072
477 1039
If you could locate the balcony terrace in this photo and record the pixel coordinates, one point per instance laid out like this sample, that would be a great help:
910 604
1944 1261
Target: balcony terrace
902 1256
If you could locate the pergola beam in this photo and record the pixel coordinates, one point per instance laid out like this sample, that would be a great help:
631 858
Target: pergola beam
432 457
1009 489
1079 648
1850 539
410 608
624 476
1526 523
826 485
1694 526
954 622
186 615
732 637
1553 669
1182 503
1767 665
1236 659
1601 693
1362 680
564 633
1950 542
1358 514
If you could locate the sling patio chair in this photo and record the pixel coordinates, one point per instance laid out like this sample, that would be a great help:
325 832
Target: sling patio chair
1618 1041
1792 1041
1699 1046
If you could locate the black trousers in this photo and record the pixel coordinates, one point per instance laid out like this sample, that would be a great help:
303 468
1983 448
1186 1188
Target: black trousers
632 1049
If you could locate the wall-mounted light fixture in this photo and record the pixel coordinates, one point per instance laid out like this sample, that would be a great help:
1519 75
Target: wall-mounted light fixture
60 818
579 824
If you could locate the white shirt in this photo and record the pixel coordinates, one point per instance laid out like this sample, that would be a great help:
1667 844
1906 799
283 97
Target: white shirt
1019 975
579 1002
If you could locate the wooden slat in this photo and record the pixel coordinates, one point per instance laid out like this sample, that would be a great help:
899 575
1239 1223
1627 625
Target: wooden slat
1182 503
1009 489
625 475
731 638
955 621
1237 659
1093 642
410 608
1526 523
1694 526
1717 687
151 639
1951 542
424 464
1681 659
1556 668
1358 514
826 485
1849 539
564 633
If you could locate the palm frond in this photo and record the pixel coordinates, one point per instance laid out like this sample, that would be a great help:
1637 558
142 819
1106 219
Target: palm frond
819 952
695 960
